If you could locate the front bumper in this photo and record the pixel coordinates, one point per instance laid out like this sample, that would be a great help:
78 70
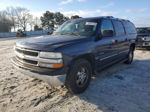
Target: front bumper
143 44
52 77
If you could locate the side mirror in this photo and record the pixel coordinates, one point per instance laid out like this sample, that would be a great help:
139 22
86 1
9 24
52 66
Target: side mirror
107 33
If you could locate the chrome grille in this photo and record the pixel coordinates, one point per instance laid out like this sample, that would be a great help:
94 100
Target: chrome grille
145 38
26 56
31 57
26 51
26 61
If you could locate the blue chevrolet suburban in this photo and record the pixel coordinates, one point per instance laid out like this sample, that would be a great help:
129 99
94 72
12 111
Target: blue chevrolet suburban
76 51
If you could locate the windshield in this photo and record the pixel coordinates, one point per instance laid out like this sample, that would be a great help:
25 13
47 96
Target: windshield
78 28
143 30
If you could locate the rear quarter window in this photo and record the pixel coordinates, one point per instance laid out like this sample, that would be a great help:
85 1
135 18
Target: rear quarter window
119 29
129 27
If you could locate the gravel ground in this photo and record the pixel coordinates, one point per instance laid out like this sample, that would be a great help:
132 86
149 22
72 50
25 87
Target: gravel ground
120 88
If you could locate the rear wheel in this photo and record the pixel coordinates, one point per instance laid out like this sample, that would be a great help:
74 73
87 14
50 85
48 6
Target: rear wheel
79 76
130 56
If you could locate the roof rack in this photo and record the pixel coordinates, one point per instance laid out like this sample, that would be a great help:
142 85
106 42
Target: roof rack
108 16
122 19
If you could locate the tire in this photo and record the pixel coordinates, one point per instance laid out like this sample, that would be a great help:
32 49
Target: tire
130 56
79 76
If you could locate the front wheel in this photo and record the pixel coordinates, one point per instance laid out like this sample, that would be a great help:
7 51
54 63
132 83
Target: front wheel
130 56
79 76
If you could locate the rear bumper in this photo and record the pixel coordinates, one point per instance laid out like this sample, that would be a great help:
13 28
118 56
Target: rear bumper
52 77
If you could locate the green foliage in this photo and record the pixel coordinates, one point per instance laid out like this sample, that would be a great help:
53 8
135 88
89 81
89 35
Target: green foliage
50 19
75 17
59 18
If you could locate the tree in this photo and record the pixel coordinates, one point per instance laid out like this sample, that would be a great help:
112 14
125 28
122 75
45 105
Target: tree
11 12
31 22
75 17
20 17
37 21
36 28
5 23
48 20
23 17
59 18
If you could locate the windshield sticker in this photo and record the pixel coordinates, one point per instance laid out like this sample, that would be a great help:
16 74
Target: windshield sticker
91 23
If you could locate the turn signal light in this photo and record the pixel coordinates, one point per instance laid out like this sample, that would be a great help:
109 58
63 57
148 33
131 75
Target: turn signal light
57 65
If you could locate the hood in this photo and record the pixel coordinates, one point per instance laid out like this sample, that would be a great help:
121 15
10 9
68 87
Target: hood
49 43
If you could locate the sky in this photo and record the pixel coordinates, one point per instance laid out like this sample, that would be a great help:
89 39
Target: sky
137 11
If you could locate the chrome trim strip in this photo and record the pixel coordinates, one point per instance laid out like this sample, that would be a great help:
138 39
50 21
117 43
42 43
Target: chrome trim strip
26 62
26 49
108 57
123 51
146 39
145 43
113 55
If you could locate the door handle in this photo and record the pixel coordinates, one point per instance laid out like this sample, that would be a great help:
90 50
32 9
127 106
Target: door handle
125 39
114 41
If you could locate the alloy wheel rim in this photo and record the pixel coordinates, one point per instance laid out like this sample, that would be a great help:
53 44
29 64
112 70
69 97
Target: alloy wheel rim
81 77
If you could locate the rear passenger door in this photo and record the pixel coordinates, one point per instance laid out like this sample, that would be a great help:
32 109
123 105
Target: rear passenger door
121 37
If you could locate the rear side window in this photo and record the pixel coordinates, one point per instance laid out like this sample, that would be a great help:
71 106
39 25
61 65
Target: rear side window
106 25
129 27
119 28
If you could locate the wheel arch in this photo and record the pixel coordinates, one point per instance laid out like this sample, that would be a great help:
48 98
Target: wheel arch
89 57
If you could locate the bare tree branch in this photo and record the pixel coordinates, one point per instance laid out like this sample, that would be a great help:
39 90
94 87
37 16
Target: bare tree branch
23 17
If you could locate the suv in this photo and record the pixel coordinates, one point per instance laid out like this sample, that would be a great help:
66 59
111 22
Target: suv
76 51
143 38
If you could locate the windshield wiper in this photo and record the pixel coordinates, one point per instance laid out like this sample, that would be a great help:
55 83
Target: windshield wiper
56 33
72 33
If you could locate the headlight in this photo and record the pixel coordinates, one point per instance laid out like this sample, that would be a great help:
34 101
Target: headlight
143 38
50 55
54 60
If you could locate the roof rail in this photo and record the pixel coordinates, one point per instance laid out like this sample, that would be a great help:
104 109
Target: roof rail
122 19
109 16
